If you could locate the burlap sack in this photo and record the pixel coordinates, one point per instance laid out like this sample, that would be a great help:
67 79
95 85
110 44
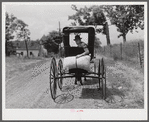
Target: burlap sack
82 62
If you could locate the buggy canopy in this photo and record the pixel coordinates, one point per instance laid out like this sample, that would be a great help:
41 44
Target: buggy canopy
79 29
72 51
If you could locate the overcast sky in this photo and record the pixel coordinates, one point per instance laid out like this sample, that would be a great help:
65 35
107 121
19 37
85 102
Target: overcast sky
43 18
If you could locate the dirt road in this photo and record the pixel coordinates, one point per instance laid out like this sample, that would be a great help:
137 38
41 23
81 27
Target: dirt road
31 89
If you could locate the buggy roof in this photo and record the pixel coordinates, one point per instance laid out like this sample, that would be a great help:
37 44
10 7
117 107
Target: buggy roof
69 29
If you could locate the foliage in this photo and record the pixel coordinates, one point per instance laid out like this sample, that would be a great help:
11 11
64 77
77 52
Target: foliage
93 15
125 17
22 30
51 41
9 31
15 26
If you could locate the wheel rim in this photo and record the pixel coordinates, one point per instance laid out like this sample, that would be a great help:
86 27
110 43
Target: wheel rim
94 66
103 88
102 67
105 84
60 67
103 74
99 73
53 85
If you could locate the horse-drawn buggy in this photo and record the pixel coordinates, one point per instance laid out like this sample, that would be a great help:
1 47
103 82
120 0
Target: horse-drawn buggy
78 57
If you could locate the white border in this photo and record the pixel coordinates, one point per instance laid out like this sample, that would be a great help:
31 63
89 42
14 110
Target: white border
76 3
66 114
3 59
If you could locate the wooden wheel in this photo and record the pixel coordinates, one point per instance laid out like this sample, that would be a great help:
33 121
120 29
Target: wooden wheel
94 66
94 61
99 73
103 78
60 68
52 78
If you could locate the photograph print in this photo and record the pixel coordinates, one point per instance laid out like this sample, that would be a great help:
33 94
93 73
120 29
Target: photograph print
75 57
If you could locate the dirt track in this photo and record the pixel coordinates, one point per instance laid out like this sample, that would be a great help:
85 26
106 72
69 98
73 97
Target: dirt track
31 89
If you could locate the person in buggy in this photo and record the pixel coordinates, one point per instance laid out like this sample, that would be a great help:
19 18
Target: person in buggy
83 45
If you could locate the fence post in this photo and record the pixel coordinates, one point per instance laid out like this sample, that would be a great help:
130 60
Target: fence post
121 50
139 55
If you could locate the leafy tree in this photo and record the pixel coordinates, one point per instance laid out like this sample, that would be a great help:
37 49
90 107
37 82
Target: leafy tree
93 15
126 18
23 33
15 26
51 41
10 25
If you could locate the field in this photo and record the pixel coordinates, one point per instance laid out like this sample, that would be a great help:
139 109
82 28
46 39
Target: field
127 53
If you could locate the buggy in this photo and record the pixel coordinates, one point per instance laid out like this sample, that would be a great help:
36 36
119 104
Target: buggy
57 73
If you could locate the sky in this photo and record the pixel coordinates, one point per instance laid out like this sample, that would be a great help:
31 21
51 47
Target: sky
45 17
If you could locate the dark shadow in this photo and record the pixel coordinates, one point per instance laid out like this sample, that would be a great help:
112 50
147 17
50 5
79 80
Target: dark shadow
90 81
114 91
88 93
64 98
114 95
67 88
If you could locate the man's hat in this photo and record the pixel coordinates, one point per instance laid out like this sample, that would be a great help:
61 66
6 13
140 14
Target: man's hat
77 37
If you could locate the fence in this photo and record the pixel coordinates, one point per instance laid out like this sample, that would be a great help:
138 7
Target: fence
141 55
132 51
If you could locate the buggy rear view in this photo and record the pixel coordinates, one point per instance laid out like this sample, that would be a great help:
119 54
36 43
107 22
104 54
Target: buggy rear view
71 66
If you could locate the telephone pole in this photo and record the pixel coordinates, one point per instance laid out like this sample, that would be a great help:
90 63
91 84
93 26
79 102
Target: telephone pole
60 54
59 29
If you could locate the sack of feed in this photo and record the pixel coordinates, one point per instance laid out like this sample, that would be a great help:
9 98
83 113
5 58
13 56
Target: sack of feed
73 62
84 62
69 62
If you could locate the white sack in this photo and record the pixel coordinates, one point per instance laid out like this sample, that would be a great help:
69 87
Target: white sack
69 62
82 62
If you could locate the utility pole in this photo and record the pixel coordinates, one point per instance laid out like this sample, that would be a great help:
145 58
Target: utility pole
60 43
59 29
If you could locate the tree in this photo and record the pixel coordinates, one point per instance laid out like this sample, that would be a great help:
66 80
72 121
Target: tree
126 18
93 15
10 28
51 41
15 27
23 33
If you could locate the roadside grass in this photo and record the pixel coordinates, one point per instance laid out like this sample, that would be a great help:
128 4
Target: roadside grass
15 65
124 83
128 76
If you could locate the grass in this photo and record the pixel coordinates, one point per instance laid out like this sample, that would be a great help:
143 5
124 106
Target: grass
125 81
129 51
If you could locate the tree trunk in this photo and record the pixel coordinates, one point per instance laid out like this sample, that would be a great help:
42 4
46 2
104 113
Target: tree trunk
124 38
6 48
7 52
26 48
107 34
